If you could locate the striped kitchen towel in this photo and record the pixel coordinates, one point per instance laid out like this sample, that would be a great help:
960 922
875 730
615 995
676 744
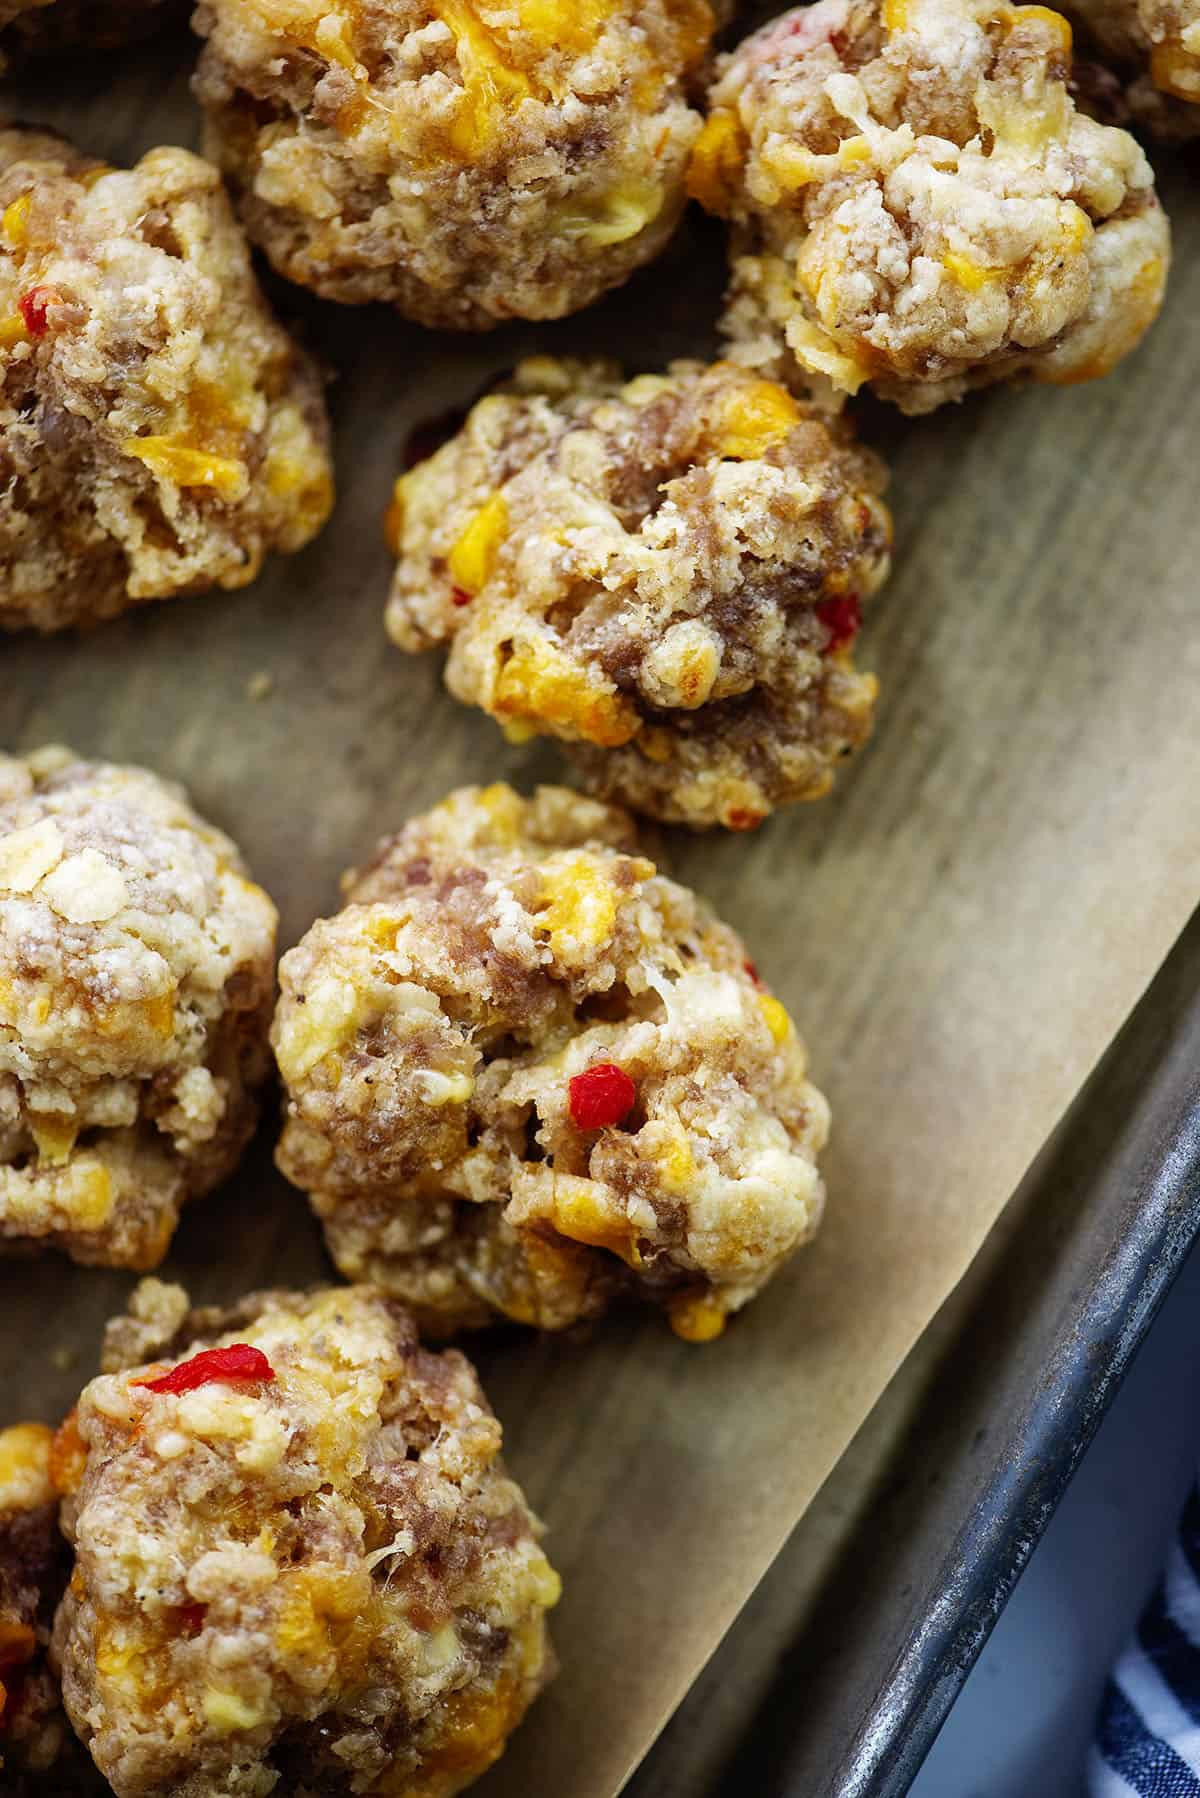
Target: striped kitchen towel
1148 1736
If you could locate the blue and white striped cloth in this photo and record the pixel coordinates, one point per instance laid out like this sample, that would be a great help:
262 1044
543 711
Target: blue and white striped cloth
1148 1736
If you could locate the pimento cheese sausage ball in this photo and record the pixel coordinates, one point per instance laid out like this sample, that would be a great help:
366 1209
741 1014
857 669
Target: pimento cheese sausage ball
1155 44
469 161
38 1750
529 1075
300 1565
136 981
37 26
159 430
918 206
665 573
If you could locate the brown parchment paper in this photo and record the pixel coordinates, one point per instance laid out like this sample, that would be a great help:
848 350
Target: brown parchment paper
958 932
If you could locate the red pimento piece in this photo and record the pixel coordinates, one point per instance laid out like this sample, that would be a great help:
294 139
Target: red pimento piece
753 972
460 597
842 618
229 1366
33 307
603 1094
740 818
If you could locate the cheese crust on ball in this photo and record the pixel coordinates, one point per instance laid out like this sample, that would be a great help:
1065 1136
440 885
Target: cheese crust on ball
666 573
917 204
136 981
300 1564
527 1074
469 161
160 433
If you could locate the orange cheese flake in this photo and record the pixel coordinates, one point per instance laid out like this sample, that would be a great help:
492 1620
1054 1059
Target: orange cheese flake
714 170
540 685
756 416
697 1318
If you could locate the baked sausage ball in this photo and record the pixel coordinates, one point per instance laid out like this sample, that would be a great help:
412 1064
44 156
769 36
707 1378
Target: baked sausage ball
527 1074
300 1566
468 161
159 431
667 574
1155 45
37 26
38 1751
136 981
917 205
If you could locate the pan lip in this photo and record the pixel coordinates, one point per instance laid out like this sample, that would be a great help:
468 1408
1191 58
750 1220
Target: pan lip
1065 1290
1146 1205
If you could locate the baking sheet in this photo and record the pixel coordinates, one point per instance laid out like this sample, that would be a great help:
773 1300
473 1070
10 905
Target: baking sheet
959 932
839 1670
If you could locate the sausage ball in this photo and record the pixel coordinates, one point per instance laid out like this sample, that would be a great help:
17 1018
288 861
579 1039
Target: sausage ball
1154 47
666 574
159 431
38 1751
136 981
528 1075
918 206
300 1565
38 26
468 161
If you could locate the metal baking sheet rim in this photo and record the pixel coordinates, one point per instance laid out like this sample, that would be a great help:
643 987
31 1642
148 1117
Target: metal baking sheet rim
1154 1180
1058 1302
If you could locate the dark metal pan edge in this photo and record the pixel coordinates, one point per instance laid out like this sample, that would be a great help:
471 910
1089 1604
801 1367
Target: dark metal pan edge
1113 1208
858 1683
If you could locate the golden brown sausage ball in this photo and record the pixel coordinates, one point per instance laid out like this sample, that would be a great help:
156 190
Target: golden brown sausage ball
468 161
159 431
918 206
136 981
665 573
299 1562
529 1075
1153 49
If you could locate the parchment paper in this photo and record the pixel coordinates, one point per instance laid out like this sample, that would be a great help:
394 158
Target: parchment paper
958 932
